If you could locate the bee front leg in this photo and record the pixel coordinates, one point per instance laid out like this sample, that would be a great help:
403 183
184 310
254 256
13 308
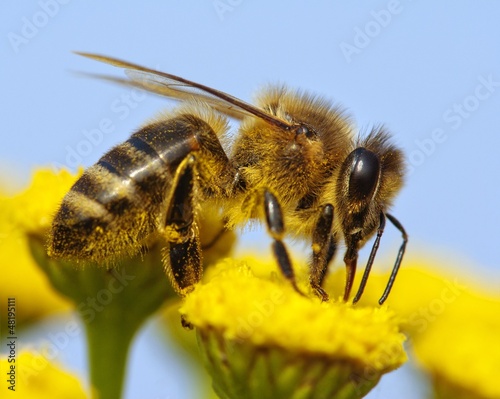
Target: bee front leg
182 257
371 258
399 258
323 247
276 228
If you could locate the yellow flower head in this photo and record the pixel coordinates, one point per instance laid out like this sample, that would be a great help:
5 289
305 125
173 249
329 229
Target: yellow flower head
34 377
34 208
460 350
455 331
30 210
420 294
262 339
113 302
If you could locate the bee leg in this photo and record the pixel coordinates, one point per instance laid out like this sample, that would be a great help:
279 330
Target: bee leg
399 258
332 249
276 228
182 258
323 247
371 258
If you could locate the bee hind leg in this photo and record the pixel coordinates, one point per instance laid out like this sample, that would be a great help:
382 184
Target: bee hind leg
276 228
182 256
323 246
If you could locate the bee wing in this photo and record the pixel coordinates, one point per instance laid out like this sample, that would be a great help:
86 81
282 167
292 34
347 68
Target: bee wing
181 91
177 87
162 90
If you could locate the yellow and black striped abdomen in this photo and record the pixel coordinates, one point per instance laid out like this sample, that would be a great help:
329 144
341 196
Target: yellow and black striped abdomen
119 201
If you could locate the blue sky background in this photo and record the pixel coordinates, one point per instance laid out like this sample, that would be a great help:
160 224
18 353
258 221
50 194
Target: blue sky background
429 71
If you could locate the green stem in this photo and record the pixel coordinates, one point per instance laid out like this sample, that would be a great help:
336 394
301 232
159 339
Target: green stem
115 304
108 342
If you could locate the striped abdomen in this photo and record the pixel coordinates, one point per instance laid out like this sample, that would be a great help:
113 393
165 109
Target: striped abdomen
120 200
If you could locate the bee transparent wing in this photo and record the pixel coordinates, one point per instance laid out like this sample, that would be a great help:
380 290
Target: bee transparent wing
173 89
164 91
177 87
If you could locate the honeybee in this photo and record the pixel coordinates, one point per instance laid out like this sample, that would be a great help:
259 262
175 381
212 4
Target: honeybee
295 164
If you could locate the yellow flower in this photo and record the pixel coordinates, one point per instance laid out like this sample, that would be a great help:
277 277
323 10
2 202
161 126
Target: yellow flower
421 292
460 350
34 377
29 210
111 303
33 209
261 339
454 330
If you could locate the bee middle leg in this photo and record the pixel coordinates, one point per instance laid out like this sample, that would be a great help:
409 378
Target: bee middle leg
323 246
182 257
276 228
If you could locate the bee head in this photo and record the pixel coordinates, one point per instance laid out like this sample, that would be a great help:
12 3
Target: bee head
369 178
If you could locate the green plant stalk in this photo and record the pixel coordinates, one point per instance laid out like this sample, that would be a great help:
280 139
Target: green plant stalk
109 338
113 304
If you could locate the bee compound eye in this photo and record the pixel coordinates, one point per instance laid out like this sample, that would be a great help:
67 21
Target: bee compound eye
365 172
